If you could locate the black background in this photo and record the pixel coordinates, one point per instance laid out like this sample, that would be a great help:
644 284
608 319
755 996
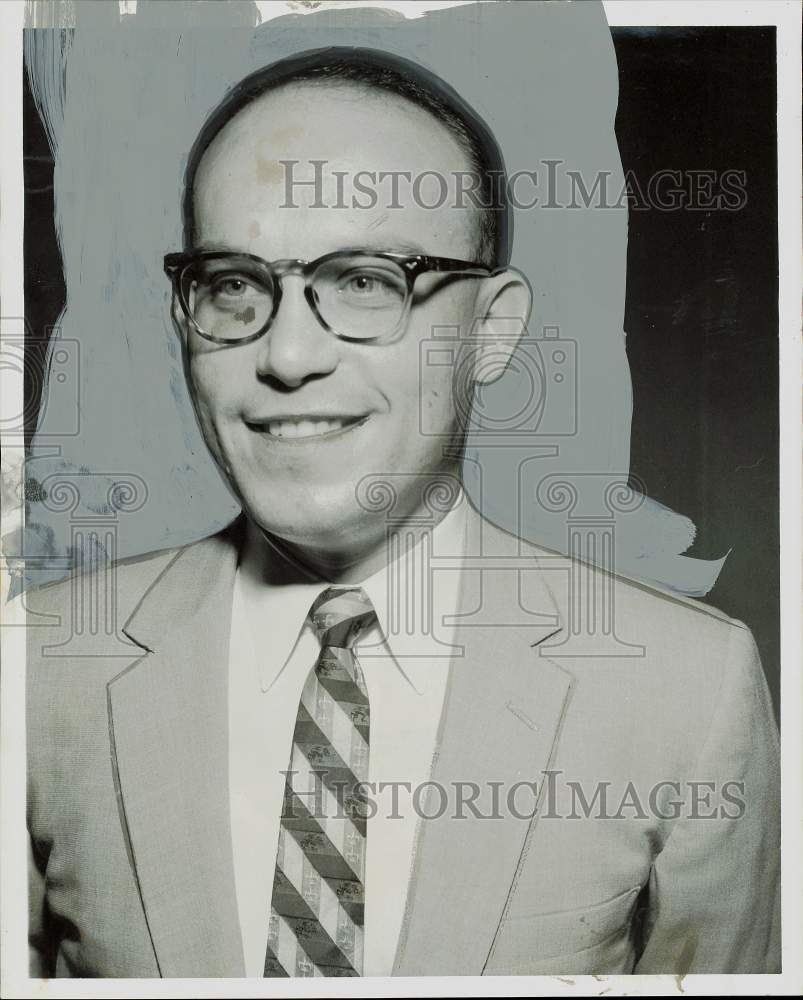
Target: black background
702 292
702 304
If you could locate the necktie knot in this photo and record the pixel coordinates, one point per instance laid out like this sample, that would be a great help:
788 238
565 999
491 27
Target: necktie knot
340 615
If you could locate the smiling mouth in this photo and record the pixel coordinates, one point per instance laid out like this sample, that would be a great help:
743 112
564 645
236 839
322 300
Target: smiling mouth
292 429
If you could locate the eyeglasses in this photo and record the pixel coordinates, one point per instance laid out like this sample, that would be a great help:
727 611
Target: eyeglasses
232 298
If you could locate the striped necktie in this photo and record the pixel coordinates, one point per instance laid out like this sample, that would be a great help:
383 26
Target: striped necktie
317 907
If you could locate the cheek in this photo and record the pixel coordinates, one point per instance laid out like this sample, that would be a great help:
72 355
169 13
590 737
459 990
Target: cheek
436 395
439 376
419 391
214 378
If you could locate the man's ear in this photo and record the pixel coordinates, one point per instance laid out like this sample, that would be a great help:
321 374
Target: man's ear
504 305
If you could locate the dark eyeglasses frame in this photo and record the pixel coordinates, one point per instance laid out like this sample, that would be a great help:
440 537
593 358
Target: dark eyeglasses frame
413 265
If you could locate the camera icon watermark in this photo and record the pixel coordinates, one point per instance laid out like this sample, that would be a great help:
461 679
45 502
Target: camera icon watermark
539 400
22 353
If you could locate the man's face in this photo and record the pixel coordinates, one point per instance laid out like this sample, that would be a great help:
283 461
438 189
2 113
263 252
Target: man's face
302 486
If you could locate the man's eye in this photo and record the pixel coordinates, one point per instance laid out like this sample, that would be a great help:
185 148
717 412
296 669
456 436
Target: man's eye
364 285
231 287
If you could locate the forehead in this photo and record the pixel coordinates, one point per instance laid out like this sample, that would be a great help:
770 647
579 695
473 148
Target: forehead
382 170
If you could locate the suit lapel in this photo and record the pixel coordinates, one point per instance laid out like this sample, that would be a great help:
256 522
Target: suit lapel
168 720
500 723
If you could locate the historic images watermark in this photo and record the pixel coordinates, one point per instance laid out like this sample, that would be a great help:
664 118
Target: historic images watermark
555 796
552 184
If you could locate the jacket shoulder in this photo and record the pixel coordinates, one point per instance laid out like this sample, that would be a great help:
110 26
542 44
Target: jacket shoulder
658 605
650 603
76 626
127 580
121 583
670 609
688 647
76 644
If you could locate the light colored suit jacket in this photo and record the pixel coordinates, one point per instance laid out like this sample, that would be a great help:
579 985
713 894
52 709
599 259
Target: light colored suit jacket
131 870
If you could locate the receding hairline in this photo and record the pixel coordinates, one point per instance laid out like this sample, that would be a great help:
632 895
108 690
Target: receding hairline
376 71
293 87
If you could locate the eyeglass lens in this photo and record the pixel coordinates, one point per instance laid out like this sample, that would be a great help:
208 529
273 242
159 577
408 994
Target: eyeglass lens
359 296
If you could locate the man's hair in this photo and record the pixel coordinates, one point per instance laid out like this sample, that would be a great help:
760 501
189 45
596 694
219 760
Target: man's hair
394 75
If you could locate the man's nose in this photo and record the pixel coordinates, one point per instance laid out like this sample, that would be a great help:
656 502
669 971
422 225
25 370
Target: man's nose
296 347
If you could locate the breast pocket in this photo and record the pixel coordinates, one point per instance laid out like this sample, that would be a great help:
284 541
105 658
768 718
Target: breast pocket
592 939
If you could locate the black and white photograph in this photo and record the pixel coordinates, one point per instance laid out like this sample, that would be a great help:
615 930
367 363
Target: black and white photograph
401 498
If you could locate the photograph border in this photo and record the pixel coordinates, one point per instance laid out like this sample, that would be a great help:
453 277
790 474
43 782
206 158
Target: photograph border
14 980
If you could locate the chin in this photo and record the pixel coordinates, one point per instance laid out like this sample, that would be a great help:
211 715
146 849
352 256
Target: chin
322 520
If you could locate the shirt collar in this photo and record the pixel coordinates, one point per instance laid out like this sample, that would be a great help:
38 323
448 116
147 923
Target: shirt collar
276 602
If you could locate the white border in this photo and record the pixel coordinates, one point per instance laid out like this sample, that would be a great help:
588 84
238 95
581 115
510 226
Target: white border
13 918
13 881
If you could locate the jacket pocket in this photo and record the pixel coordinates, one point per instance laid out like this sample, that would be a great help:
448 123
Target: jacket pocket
586 939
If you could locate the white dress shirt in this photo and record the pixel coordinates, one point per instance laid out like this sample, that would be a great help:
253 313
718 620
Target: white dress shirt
405 664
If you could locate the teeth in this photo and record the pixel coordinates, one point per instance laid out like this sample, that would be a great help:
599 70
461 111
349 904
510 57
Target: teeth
302 428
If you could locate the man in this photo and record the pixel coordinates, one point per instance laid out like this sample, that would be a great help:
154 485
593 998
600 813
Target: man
311 766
